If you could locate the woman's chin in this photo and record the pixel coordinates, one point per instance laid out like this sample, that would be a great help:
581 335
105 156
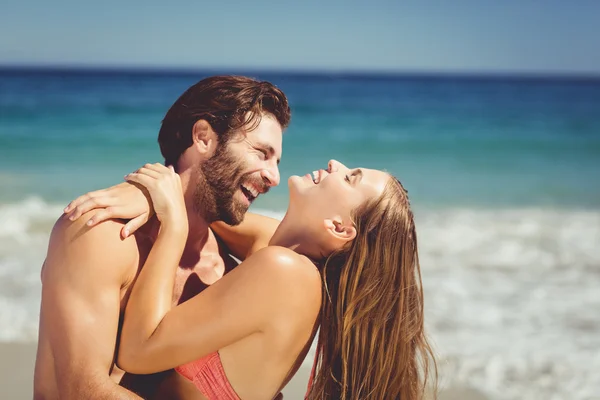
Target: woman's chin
294 183
296 201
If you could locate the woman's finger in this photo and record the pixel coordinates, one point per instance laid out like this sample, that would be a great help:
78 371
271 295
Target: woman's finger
134 225
142 179
149 171
157 167
90 204
82 199
103 215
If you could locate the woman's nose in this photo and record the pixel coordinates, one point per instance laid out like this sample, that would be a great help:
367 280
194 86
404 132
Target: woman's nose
334 165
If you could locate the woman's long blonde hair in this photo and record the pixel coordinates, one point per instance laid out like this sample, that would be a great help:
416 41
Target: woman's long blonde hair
372 342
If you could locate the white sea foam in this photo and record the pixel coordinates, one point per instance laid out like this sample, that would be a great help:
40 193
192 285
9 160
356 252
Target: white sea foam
512 298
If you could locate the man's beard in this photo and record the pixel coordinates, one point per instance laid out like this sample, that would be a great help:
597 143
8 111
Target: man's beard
218 180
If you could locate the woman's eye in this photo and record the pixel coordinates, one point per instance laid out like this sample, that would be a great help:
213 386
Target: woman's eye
347 178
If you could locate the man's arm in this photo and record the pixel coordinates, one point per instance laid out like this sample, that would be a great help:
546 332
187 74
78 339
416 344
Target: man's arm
251 235
82 279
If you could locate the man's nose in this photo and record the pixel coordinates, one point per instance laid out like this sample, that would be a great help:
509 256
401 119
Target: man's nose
271 176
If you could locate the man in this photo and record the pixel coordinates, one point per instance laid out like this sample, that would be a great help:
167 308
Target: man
224 138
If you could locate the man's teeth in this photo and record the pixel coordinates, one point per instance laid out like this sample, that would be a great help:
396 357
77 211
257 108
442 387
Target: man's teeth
252 190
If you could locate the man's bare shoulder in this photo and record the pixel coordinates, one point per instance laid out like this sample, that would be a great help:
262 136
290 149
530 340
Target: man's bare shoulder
64 228
75 248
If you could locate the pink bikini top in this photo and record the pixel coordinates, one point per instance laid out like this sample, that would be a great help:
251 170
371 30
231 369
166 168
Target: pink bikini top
208 375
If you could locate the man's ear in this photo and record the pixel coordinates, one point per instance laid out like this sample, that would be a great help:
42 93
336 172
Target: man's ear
341 231
204 138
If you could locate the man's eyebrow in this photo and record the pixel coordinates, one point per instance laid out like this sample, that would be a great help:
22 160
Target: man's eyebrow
269 149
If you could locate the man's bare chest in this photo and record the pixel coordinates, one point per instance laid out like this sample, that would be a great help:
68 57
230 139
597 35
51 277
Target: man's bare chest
190 281
191 278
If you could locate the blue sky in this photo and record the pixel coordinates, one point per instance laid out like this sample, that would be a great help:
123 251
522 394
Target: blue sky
531 36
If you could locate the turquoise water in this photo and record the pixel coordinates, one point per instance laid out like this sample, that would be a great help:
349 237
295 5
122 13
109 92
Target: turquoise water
452 141
503 175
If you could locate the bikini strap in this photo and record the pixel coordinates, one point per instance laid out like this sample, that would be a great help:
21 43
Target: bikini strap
312 373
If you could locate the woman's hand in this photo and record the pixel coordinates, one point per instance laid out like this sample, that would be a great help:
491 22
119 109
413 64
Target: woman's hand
125 201
164 187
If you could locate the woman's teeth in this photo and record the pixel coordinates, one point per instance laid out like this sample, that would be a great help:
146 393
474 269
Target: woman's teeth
315 175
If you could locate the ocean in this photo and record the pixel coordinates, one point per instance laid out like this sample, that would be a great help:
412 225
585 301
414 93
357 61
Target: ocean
502 172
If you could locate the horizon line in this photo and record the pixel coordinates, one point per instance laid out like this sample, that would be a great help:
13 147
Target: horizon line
309 72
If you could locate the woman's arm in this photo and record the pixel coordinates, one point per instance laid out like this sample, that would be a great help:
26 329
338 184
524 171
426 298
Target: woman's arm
251 235
152 293
132 202
240 304
155 337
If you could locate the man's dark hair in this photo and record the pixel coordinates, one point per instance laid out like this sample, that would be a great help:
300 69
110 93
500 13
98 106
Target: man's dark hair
227 103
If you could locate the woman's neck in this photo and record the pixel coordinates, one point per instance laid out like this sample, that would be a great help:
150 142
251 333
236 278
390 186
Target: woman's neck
296 237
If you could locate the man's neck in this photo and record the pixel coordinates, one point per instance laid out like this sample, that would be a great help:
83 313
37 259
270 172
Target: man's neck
198 229
198 233
200 239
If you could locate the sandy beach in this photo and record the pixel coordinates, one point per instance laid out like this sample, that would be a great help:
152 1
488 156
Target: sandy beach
16 370
17 363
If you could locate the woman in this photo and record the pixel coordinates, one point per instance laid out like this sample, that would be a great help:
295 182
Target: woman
343 259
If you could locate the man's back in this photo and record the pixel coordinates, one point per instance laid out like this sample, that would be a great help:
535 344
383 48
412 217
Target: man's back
86 280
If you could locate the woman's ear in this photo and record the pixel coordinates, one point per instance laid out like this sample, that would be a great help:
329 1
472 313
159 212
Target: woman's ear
204 138
341 231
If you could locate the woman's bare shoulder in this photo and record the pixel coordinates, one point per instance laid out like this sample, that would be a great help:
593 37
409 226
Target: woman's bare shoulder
285 271
284 262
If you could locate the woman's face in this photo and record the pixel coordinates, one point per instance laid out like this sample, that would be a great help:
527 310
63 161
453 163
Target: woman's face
332 194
